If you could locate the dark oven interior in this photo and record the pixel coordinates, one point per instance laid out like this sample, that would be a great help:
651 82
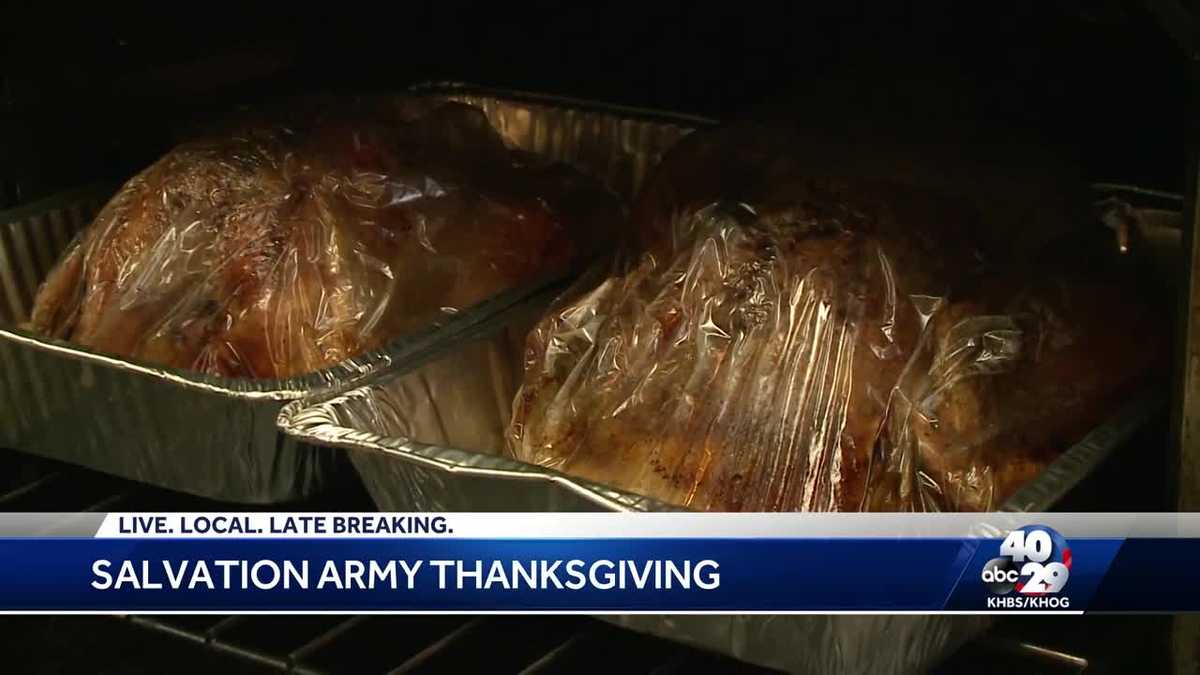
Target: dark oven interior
94 93
99 92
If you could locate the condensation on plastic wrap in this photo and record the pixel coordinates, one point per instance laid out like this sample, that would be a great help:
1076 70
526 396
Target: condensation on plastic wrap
271 251
821 344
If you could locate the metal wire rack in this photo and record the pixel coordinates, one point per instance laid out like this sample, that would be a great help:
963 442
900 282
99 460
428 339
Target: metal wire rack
325 645
329 645
499 645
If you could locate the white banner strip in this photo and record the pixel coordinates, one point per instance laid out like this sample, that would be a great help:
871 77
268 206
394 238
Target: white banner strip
551 612
635 525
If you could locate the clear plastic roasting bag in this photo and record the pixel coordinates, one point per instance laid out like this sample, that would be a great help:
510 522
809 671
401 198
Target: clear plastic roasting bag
810 343
1008 379
270 250
750 370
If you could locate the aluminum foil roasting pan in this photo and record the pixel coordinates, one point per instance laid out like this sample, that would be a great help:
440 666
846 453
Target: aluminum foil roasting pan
377 423
404 475
216 437
461 395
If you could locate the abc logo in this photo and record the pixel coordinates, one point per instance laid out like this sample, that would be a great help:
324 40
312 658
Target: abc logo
1000 575
1033 560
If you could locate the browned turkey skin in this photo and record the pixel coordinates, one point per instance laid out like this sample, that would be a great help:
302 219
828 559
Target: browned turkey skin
271 252
785 342
751 370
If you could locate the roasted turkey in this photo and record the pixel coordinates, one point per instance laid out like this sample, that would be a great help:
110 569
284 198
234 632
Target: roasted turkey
783 339
270 251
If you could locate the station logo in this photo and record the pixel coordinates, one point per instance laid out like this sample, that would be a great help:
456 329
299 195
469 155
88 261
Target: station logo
1031 571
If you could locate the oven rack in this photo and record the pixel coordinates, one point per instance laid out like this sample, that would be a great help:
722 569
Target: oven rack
394 644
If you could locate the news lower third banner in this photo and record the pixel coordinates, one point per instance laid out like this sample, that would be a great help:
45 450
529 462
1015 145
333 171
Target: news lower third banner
616 563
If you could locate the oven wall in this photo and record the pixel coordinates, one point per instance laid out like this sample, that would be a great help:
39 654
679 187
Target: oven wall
96 96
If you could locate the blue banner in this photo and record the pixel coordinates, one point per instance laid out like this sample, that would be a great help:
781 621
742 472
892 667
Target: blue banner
132 567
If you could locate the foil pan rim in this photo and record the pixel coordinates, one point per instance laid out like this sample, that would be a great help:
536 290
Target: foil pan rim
1084 456
312 422
63 198
452 88
410 350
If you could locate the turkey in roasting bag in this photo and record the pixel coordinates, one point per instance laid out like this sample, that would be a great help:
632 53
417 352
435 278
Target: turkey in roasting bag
785 337
271 249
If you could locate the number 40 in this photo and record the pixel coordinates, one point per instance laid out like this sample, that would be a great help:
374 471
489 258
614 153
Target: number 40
1021 546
